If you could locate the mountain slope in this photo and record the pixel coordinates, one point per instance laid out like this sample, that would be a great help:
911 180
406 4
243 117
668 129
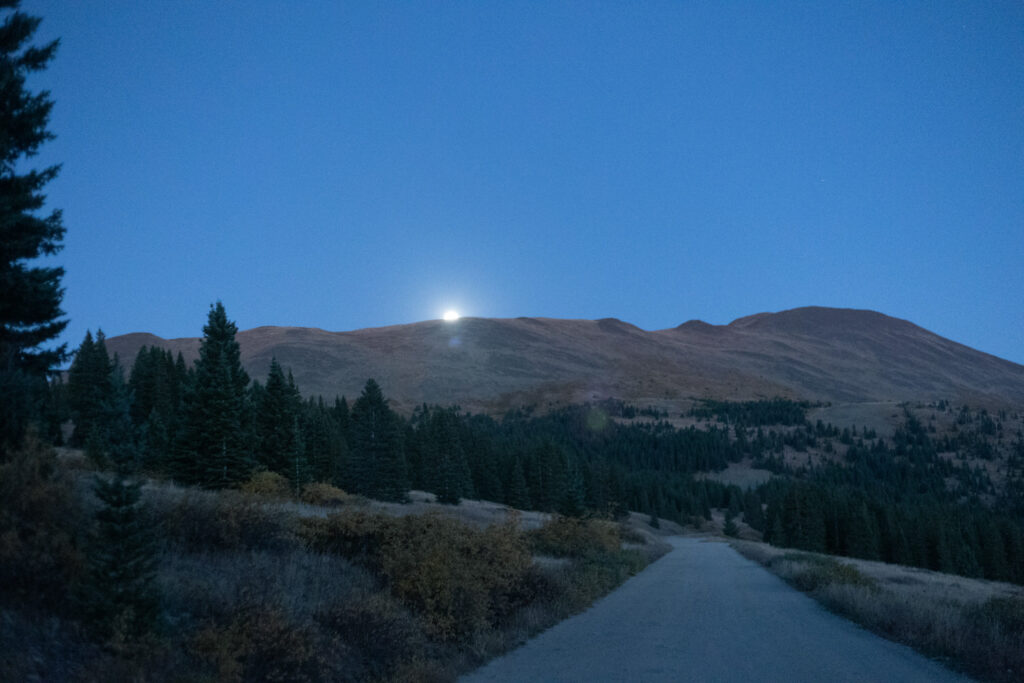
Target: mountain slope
815 353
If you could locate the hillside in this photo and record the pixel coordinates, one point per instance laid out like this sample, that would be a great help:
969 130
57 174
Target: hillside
826 354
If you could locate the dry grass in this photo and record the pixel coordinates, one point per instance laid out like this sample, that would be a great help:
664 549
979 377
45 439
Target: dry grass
426 591
972 624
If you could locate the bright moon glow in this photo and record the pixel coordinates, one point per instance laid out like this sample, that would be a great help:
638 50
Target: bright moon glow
451 315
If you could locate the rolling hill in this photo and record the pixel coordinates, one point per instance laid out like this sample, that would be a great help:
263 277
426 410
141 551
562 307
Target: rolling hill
825 354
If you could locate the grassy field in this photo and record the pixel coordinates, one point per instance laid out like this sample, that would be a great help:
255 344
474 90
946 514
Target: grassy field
972 625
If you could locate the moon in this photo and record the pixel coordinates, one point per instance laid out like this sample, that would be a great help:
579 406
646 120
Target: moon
451 315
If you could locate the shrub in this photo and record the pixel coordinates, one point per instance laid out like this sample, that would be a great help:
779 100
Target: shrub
199 522
569 537
631 535
259 644
820 571
39 553
267 484
353 534
461 580
457 578
319 493
378 633
1005 613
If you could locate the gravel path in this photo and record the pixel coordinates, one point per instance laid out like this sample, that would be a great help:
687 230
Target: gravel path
704 613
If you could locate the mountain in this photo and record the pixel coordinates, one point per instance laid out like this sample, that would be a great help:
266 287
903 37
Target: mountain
826 354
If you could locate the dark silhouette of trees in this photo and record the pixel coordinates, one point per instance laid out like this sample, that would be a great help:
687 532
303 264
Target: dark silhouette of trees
377 465
30 294
215 450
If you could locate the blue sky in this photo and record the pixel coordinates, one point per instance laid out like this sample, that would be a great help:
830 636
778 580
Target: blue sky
346 165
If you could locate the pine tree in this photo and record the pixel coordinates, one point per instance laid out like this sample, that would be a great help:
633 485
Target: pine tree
276 410
30 295
341 414
753 515
730 528
378 467
120 593
120 598
445 471
572 497
89 387
517 494
324 447
215 452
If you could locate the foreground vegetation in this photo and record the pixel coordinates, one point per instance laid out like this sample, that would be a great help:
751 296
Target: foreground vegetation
975 626
248 587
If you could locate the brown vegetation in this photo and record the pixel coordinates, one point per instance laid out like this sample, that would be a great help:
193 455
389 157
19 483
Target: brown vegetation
256 587
974 625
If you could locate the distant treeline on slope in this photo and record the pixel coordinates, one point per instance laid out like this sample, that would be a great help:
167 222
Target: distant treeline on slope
208 425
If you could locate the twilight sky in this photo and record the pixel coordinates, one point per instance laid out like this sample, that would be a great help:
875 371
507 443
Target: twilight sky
346 165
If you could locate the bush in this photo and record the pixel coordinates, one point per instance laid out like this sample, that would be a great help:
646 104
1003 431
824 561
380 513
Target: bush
461 580
353 534
268 484
569 537
260 644
1007 614
200 522
378 634
39 550
457 578
822 571
326 495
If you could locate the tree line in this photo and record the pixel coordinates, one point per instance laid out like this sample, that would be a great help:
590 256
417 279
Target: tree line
209 425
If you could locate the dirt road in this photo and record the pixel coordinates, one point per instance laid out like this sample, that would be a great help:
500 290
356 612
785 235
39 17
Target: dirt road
704 613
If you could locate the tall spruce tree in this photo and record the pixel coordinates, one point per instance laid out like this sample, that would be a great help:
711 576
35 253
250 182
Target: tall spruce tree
377 463
445 471
30 294
277 406
120 594
324 446
157 385
89 386
216 451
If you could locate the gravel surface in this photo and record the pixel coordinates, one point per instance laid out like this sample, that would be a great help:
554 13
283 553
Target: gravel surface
704 613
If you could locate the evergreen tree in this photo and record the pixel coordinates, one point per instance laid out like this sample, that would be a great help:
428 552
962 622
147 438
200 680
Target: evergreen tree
56 411
89 387
215 452
121 596
445 471
324 447
517 494
572 497
30 294
277 408
378 467
730 528
341 414
157 386
753 515
862 537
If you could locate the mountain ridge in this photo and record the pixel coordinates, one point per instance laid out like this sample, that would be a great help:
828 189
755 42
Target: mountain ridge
492 364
